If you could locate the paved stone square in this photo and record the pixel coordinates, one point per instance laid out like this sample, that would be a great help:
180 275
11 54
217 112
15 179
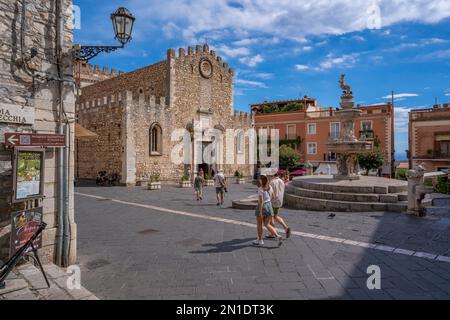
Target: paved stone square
139 244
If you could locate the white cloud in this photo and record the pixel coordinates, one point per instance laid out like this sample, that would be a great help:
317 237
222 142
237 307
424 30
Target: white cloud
249 83
301 67
447 94
264 76
346 61
400 96
227 51
252 61
401 120
284 18
358 38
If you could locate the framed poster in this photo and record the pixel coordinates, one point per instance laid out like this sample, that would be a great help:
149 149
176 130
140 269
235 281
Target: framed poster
28 170
23 225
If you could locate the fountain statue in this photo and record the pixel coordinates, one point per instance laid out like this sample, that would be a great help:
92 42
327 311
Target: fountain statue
347 146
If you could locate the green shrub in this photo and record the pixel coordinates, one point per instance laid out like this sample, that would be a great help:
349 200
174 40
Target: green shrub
371 160
443 185
289 157
155 177
400 174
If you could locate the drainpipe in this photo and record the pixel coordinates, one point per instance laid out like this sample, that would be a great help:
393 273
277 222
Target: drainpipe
62 234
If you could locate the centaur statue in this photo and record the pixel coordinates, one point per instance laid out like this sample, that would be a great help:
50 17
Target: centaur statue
344 86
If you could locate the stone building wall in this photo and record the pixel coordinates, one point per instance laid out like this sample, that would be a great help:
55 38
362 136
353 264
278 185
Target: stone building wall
175 95
150 79
98 154
18 91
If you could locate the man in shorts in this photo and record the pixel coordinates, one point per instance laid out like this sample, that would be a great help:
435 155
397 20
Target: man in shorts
220 184
278 186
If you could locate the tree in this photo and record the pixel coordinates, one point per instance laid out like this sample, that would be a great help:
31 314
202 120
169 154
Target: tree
289 157
371 160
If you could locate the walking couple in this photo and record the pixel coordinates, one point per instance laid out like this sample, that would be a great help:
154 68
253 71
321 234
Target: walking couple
270 201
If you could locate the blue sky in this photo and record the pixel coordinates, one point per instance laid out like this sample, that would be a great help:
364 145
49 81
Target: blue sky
283 49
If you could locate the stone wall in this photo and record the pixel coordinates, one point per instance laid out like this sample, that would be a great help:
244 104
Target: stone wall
175 95
101 153
24 81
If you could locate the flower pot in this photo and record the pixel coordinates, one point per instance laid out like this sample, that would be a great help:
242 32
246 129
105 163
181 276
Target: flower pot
209 183
154 186
185 184
240 180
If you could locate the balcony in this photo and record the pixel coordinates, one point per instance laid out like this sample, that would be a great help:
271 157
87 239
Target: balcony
365 135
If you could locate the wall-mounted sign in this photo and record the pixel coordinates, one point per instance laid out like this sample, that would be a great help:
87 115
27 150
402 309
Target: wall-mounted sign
28 174
34 140
11 113
23 225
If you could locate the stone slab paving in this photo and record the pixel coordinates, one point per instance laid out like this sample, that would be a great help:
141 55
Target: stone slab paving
165 245
27 283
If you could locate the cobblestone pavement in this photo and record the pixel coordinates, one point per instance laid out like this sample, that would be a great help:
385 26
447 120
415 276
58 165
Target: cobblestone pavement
27 283
140 244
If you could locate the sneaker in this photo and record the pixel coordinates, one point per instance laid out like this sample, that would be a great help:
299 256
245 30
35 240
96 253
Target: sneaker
218 204
270 237
280 241
258 242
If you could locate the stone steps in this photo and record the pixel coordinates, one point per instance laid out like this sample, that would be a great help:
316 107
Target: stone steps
356 188
349 197
318 204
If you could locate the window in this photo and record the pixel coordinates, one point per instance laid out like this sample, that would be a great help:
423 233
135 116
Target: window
366 125
291 132
311 128
335 128
155 140
445 148
240 142
312 148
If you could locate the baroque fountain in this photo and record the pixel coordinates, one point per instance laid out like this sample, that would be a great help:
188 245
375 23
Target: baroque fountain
347 146
347 190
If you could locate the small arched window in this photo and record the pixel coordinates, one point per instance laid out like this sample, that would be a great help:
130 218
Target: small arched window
240 141
155 140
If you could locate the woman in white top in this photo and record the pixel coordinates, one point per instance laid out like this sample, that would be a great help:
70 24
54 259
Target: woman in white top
264 211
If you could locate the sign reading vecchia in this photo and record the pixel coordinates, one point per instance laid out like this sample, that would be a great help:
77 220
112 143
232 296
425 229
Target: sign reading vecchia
11 113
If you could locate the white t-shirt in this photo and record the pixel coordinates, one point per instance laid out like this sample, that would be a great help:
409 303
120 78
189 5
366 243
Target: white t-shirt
278 189
266 195
220 180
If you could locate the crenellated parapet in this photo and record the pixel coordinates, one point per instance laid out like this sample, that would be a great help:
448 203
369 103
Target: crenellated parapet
243 118
137 98
89 74
199 52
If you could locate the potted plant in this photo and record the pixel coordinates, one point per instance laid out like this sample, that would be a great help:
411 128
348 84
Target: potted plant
185 182
239 177
209 181
154 183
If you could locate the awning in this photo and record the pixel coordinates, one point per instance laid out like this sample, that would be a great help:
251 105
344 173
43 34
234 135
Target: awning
83 133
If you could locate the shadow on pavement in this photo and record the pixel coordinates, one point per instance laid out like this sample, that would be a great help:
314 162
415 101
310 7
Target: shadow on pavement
226 246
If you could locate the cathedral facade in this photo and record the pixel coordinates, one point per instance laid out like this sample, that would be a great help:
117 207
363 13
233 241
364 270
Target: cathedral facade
170 119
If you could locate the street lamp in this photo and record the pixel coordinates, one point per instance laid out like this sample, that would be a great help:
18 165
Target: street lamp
123 22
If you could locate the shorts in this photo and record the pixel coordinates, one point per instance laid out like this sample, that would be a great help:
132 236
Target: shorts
276 211
267 210
198 189
220 190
